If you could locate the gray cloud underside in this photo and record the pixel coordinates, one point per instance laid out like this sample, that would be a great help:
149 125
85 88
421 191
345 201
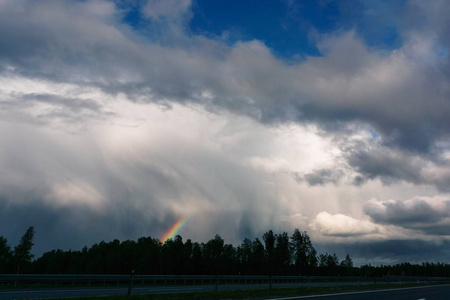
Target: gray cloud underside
71 227
74 43
322 176
65 110
391 251
392 165
431 217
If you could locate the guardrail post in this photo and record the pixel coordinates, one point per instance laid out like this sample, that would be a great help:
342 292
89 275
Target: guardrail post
130 285
309 282
217 283
358 282
270 282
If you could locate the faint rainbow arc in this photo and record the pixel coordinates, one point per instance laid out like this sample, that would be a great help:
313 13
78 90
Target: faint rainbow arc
174 229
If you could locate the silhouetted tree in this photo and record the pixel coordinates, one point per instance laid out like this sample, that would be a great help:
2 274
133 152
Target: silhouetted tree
347 262
197 258
178 255
346 266
148 256
22 252
188 265
257 257
328 263
172 259
212 254
269 246
228 262
125 258
282 254
303 252
5 256
244 256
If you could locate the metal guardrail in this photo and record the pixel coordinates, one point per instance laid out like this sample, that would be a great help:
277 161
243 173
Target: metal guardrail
50 280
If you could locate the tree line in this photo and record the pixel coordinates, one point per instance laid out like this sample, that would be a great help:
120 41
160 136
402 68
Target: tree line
20 258
274 254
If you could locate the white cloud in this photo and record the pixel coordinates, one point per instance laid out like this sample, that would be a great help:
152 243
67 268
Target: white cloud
342 226
172 9
73 193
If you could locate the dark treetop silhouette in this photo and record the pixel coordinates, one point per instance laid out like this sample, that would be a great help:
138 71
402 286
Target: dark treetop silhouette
276 254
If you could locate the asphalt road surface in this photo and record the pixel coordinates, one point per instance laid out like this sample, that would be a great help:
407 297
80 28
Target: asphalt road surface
440 292
415 293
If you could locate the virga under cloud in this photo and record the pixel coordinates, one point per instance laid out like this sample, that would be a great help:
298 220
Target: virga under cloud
122 117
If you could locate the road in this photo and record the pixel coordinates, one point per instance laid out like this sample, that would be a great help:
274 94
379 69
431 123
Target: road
440 292
429 293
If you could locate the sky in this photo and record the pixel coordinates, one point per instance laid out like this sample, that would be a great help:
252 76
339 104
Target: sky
120 118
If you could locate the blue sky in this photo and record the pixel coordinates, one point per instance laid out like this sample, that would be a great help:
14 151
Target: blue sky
118 118
289 28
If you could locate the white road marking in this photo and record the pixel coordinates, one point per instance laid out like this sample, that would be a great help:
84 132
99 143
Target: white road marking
353 293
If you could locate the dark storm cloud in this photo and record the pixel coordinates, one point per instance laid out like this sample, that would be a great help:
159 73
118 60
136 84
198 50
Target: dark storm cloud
322 176
389 166
372 160
396 212
391 251
72 227
431 216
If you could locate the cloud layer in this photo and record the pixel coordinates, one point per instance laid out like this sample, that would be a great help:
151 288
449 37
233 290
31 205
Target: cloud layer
125 127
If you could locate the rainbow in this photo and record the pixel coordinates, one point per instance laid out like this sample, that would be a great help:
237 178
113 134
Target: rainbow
174 229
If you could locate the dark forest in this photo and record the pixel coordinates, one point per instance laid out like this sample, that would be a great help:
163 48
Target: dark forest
273 254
